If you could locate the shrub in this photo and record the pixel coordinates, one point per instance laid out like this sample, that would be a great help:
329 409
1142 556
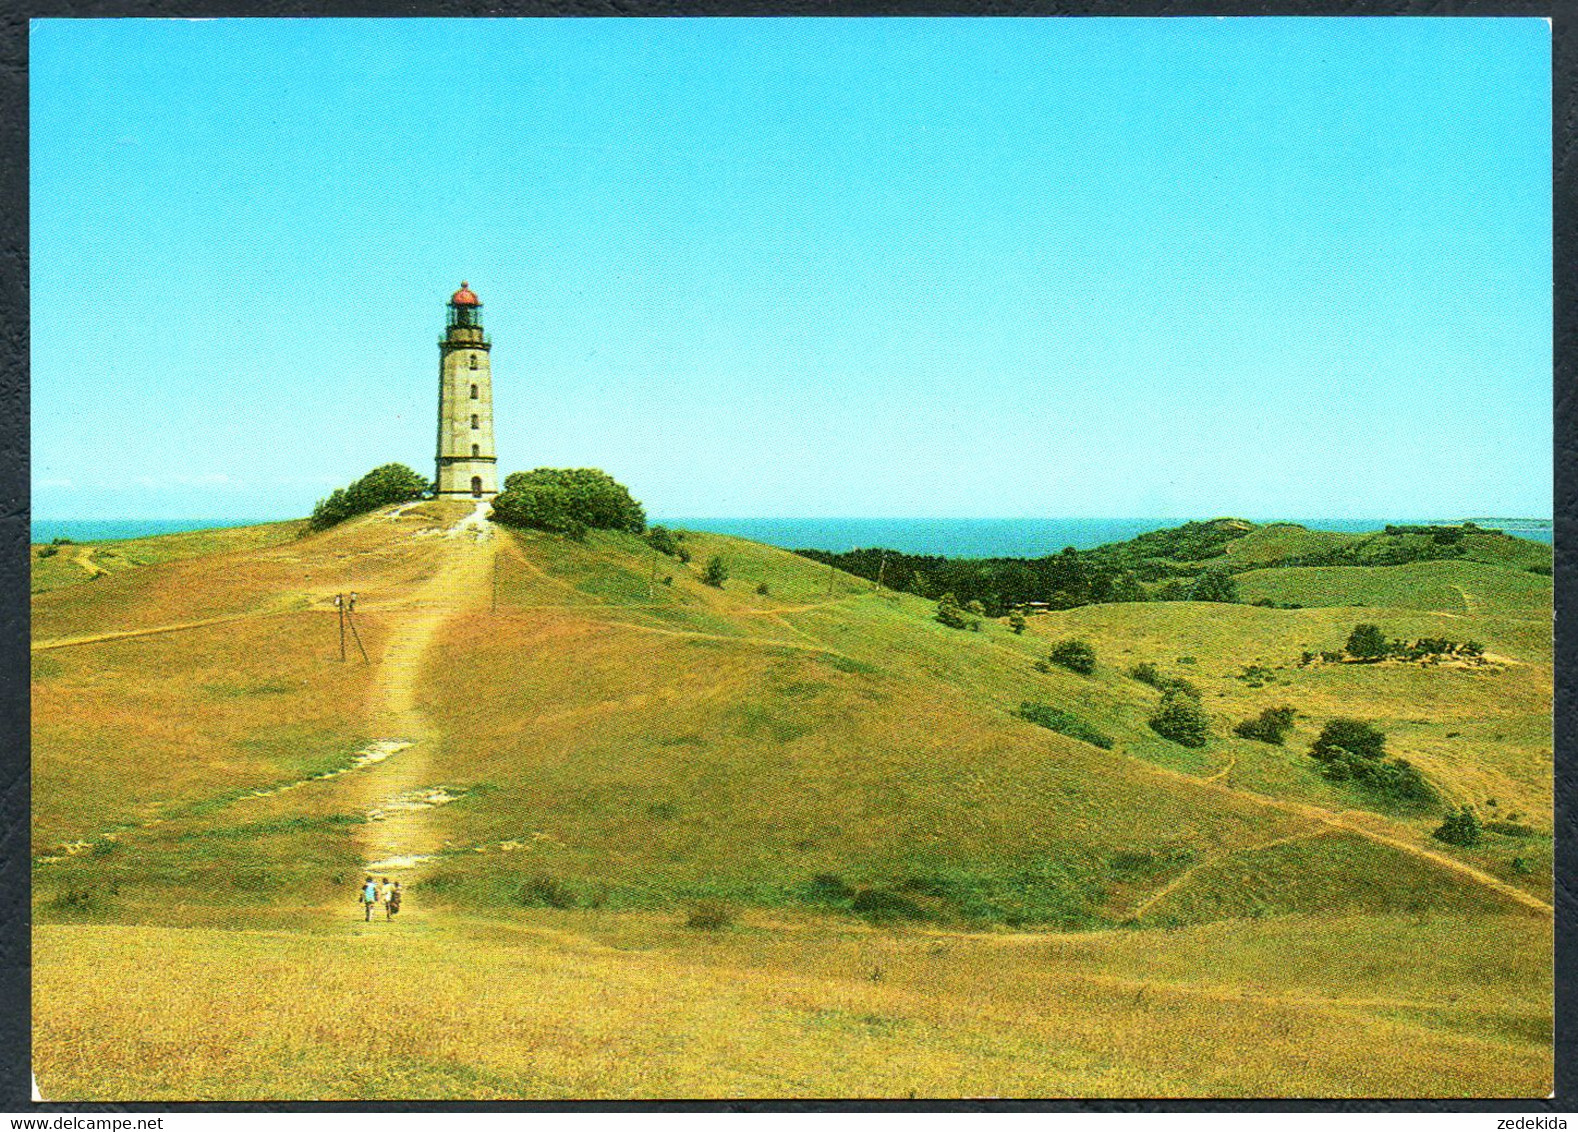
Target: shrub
1367 642
1075 654
717 572
1459 828
1522 866
554 499
386 484
763 589
1016 621
710 916
975 607
1182 719
1064 723
48 551
1271 726
61 540
1351 735
545 892
1146 673
952 615
663 540
880 904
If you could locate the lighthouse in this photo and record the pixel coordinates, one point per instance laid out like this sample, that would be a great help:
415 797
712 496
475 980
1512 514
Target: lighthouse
467 464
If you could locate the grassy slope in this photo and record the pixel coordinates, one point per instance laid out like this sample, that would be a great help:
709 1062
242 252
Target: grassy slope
641 750
66 566
577 1005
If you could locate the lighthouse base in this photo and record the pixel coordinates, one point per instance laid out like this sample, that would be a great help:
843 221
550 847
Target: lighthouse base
468 477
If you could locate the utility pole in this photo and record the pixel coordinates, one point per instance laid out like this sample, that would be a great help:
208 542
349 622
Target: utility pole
350 609
881 567
339 607
652 577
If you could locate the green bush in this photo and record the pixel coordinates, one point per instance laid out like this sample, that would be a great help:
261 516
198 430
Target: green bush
1064 723
48 551
951 614
1271 726
1459 828
717 572
663 540
563 499
1351 735
386 484
1182 719
1016 621
1146 673
1075 654
1367 642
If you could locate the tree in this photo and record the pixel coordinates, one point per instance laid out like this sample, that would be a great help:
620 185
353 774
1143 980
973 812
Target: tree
1182 719
1126 588
1366 642
1016 621
1075 654
716 573
554 498
1350 735
951 614
386 484
1215 584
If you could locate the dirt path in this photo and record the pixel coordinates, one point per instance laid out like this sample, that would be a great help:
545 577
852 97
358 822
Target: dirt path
84 558
123 634
1470 603
1183 878
400 793
1337 821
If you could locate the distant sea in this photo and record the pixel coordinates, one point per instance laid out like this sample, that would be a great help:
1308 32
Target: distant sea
963 538
103 530
1007 538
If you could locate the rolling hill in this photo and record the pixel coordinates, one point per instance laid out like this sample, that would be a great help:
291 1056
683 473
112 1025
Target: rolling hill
787 837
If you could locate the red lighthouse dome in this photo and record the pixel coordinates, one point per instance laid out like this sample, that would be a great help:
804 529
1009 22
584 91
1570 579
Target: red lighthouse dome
465 297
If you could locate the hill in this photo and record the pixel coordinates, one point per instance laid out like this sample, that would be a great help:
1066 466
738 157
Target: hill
570 750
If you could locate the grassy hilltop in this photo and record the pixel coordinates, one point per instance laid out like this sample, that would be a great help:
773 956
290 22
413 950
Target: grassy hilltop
790 836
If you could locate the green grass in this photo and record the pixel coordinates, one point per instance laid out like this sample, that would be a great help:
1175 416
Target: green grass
850 778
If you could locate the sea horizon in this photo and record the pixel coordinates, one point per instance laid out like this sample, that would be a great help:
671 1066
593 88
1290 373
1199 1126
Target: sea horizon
961 537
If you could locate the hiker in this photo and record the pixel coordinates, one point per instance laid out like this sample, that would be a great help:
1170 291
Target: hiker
383 893
392 905
369 897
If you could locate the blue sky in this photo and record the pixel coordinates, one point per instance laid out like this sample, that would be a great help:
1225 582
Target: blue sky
1060 267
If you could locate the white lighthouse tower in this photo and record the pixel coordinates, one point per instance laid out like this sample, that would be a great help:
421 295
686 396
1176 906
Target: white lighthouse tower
467 464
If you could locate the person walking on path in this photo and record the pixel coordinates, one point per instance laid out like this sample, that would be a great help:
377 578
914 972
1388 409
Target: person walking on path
369 897
392 903
383 893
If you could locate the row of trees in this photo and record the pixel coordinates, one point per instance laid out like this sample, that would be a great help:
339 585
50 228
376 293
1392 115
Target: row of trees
1000 585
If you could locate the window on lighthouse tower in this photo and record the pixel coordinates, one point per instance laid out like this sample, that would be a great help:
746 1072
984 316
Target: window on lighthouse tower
473 392
476 449
476 421
473 361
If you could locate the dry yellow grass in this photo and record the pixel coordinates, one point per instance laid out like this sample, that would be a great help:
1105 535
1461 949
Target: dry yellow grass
626 1006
